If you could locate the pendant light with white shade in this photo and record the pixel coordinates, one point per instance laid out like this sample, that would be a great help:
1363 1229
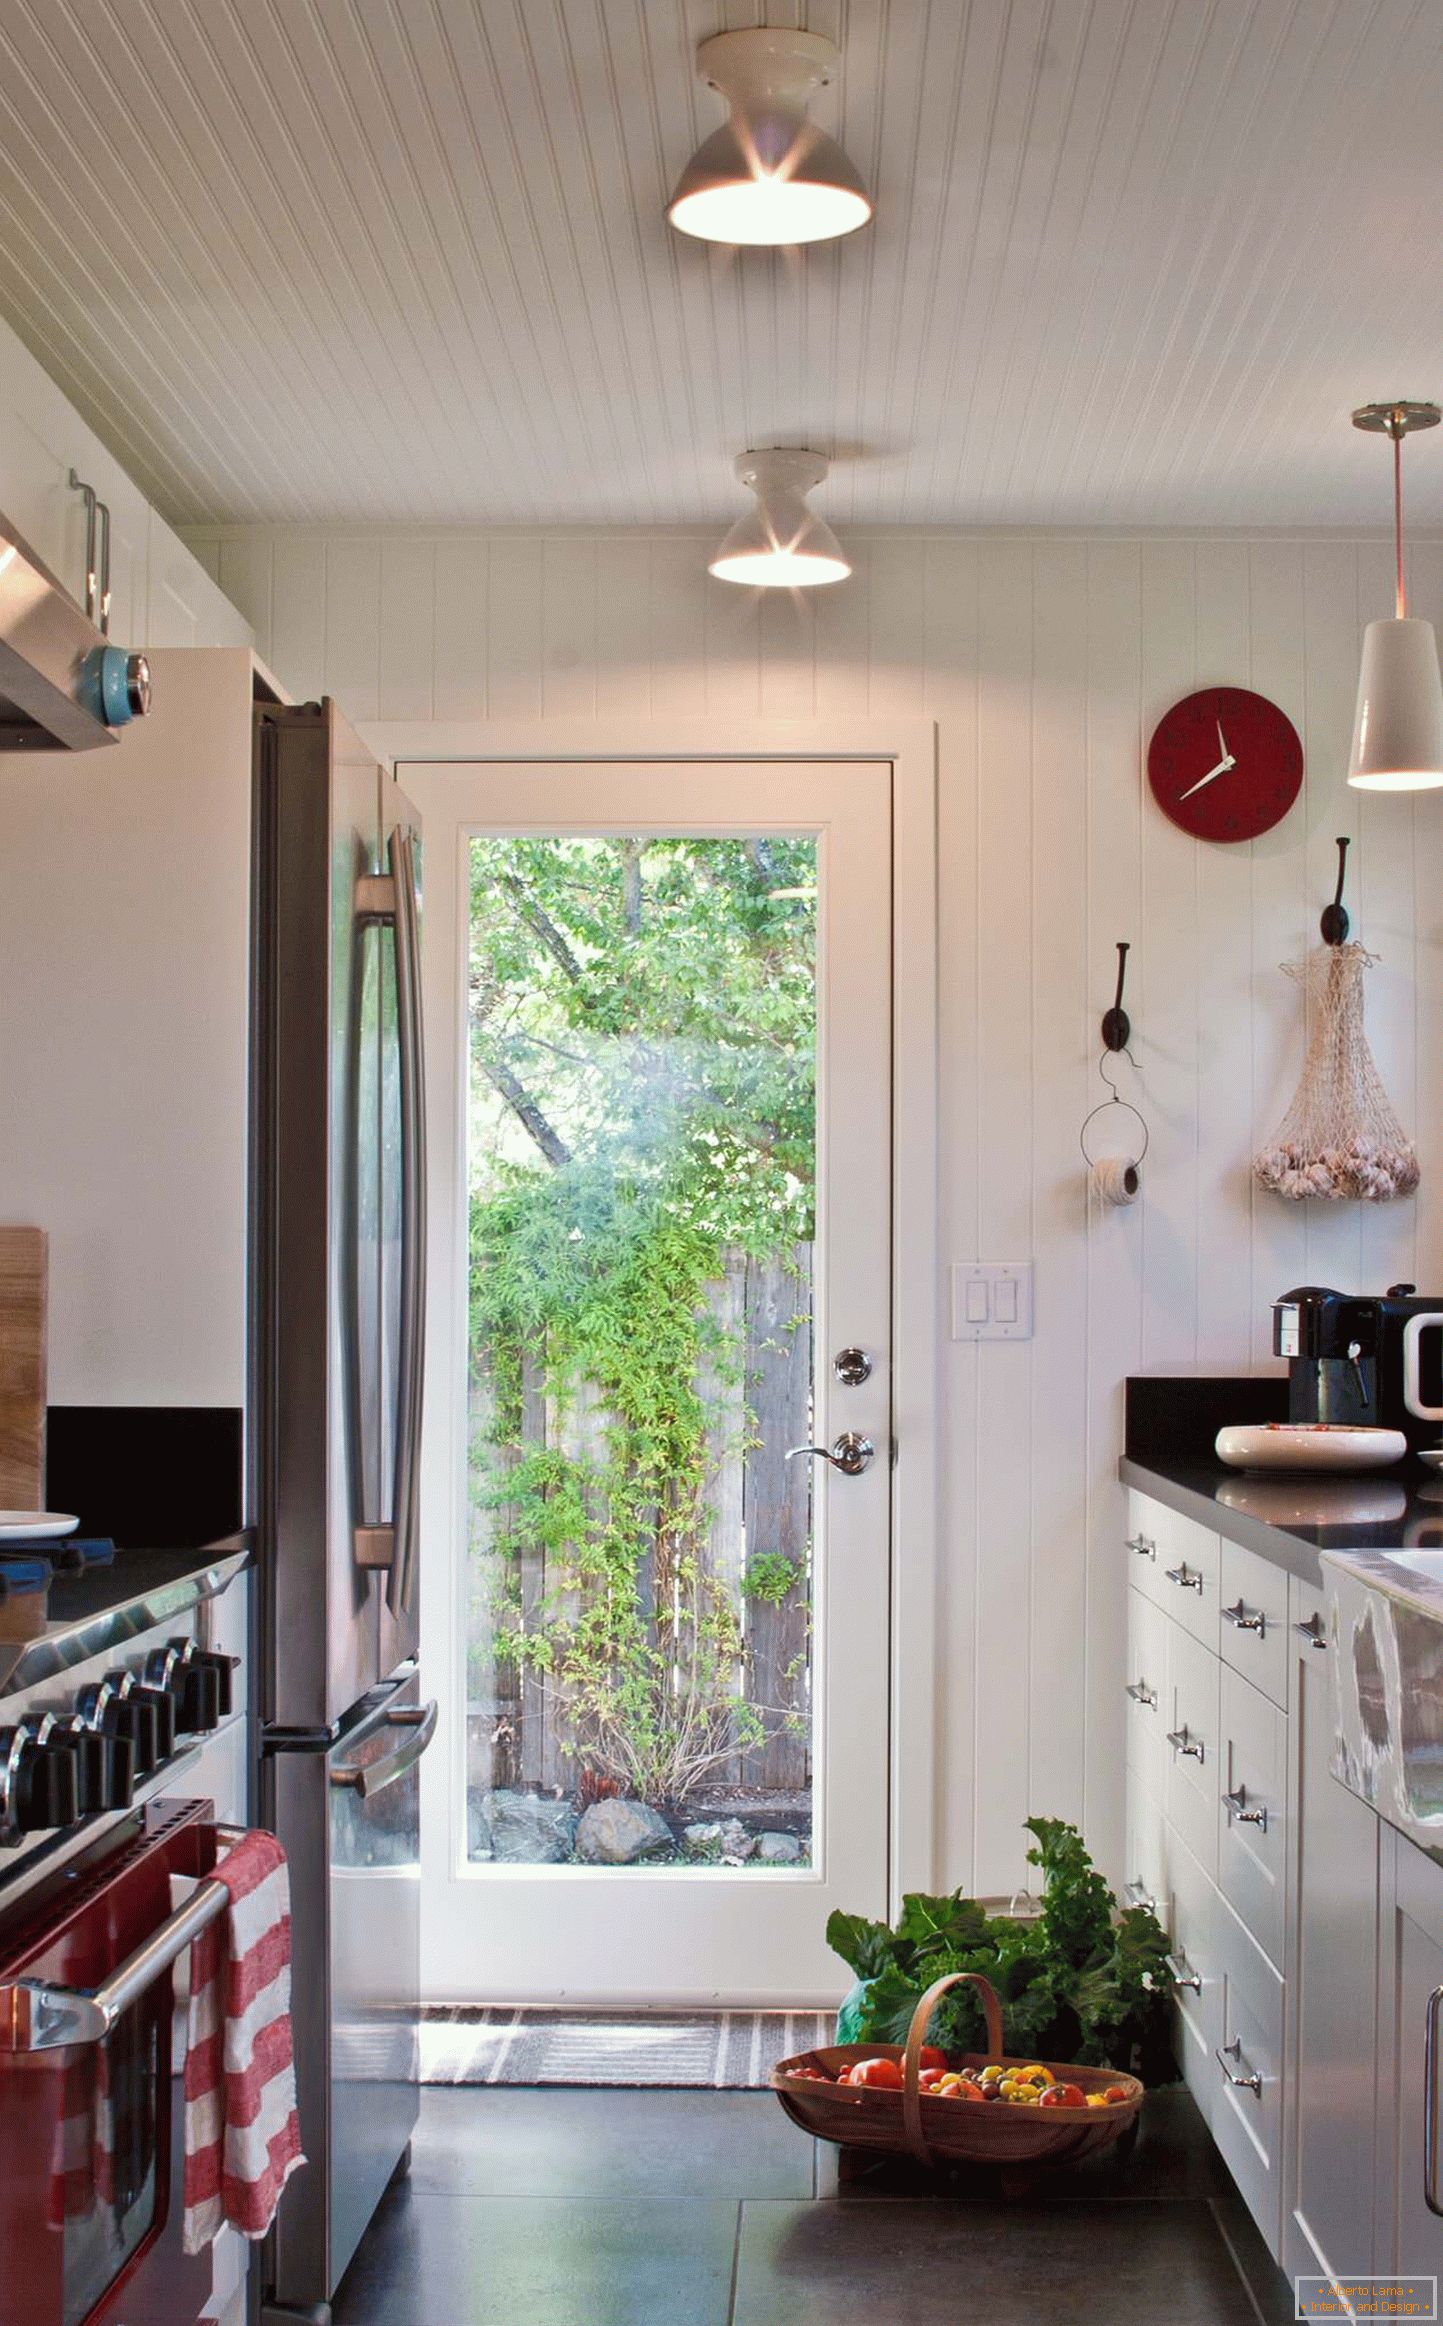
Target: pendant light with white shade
1398 730
768 175
780 543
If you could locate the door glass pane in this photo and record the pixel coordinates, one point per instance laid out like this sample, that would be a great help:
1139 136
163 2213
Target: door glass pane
641 1172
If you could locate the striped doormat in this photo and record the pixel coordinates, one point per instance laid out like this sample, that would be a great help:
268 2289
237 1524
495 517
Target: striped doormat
720 2051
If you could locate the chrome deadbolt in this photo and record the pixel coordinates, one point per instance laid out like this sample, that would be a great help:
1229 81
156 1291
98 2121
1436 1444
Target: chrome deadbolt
852 1367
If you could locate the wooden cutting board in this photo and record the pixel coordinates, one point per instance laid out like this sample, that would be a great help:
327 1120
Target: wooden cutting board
23 1258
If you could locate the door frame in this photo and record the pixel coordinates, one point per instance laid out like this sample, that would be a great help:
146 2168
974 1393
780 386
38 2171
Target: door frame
910 744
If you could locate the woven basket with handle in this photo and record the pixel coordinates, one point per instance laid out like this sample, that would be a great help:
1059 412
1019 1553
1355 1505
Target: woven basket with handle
939 2131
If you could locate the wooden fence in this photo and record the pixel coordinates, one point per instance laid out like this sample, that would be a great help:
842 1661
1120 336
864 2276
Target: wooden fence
757 1503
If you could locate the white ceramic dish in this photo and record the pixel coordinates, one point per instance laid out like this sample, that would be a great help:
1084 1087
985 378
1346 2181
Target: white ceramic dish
17 1526
1287 1445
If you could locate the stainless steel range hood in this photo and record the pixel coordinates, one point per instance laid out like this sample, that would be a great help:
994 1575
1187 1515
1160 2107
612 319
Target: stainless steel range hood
63 687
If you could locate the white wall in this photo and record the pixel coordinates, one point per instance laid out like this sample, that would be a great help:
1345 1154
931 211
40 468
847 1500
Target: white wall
1044 662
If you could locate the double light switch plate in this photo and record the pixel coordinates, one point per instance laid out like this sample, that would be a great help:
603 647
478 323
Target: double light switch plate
992 1300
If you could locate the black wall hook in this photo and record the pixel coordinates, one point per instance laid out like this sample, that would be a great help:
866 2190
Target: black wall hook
1117 1025
1335 923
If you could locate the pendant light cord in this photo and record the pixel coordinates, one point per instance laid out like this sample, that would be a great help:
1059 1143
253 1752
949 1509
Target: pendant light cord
1397 433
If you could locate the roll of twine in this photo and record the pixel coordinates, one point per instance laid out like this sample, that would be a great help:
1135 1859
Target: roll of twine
1116 1179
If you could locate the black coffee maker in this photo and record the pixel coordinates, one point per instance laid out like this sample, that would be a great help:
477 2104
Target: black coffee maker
1364 1359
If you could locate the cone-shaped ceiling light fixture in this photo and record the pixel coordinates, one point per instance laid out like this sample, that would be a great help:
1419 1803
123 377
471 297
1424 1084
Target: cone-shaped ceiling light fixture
1398 730
768 175
780 543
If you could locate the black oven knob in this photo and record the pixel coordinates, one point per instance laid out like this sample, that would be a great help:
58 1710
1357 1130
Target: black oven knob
41 1784
104 1766
199 1697
162 1704
223 1667
109 1706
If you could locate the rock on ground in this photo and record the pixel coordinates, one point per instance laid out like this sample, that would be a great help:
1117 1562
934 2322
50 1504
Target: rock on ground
528 1829
779 1849
617 1833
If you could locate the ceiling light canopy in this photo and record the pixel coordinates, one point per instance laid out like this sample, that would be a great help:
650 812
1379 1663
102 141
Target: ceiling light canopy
781 543
1398 729
768 175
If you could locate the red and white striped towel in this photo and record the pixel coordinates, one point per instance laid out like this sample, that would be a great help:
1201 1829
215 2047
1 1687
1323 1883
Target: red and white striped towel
242 2133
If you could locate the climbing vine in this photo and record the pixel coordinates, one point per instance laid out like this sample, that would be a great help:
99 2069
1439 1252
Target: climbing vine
641 1033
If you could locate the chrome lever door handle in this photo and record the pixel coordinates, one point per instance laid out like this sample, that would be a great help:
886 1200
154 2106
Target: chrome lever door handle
850 1453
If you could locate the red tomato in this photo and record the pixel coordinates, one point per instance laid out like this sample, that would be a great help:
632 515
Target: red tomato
879 2075
1117 2092
930 2078
1063 2096
932 2057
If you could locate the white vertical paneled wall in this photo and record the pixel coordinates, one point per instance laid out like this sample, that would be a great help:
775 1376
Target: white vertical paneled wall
1045 662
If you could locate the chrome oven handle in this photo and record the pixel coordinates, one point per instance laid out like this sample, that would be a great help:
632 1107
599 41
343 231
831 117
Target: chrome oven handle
364 1778
37 2016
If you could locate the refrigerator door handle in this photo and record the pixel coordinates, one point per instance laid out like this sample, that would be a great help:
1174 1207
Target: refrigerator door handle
411 1369
392 899
418 1722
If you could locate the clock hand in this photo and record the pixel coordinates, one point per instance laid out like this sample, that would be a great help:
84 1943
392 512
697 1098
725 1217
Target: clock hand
1211 777
1222 740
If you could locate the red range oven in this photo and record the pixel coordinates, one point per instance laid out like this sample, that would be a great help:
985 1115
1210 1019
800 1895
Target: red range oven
90 2110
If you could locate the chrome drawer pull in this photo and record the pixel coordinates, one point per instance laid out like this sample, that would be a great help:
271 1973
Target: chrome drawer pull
1183 1974
1183 1742
1313 1631
1229 2059
1430 2103
1138 1894
1236 1805
1187 1578
1243 1618
1144 1546
1140 1693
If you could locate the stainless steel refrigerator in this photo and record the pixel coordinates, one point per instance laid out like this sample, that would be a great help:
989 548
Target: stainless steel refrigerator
337 1332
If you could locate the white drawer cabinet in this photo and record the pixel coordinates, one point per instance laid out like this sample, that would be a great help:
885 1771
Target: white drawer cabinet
1409 2229
1328 2226
1247 2112
1195 1759
1176 1563
1253 1620
1193 1926
1147 1689
1252 1855
1145 1879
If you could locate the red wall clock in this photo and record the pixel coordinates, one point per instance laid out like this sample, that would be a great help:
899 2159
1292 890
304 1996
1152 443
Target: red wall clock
1225 764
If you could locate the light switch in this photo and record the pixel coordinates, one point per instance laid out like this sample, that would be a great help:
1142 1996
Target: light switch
992 1300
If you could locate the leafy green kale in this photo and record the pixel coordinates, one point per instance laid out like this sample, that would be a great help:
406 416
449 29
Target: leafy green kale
1083 1982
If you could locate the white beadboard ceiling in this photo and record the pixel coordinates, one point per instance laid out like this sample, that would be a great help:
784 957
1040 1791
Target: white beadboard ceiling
391 260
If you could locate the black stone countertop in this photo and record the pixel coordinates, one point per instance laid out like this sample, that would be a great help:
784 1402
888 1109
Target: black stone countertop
99 1607
1287 1517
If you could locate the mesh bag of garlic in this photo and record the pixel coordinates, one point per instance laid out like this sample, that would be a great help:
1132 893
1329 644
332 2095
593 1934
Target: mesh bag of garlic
1340 1137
